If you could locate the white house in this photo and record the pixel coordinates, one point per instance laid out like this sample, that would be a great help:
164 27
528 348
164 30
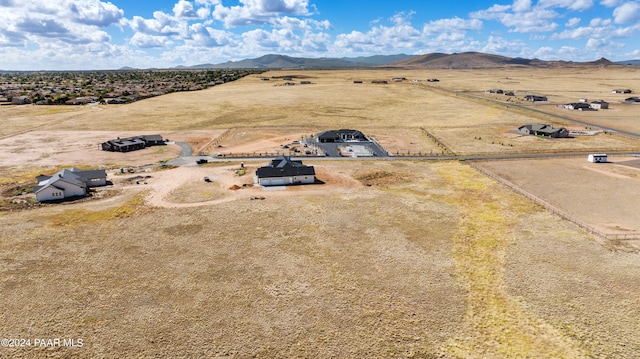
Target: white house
284 171
597 158
68 183
600 105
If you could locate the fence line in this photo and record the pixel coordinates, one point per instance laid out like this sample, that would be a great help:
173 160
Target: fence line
216 141
552 208
437 141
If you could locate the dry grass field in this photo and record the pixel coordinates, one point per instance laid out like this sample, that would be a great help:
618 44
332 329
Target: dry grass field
606 195
387 259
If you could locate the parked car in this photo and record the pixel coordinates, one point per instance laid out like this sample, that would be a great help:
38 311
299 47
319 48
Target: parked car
207 179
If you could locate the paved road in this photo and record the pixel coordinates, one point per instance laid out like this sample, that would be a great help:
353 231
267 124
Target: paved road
186 149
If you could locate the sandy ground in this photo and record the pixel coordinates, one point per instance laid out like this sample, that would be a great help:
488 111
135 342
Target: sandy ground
55 148
163 185
604 195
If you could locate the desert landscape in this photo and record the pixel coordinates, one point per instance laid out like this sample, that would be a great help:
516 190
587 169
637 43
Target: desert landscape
436 251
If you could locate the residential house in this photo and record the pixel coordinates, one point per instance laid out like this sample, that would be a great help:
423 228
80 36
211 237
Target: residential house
578 106
132 143
600 105
535 98
343 135
537 129
285 171
68 183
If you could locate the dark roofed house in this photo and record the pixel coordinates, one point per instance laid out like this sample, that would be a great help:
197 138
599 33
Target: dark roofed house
578 106
132 143
343 135
536 98
537 129
153 140
285 171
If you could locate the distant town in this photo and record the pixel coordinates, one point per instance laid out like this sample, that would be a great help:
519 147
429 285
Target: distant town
107 87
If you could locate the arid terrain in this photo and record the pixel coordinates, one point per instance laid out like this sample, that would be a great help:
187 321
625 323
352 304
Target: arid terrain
389 258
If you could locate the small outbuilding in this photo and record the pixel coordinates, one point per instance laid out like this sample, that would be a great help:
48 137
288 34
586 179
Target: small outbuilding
284 171
597 157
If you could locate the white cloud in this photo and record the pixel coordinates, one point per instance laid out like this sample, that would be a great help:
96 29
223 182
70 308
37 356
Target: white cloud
536 19
610 3
599 22
161 24
627 13
259 12
574 21
496 12
185 9
204 36
96 13
143 40
496 45
452 25
576 5
39 24
521 5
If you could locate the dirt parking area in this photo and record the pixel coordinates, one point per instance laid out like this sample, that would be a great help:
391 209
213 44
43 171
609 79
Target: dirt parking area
604 195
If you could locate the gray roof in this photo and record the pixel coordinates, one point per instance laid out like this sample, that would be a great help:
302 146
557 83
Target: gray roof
539 127
63 175
283 166
90 174
74 176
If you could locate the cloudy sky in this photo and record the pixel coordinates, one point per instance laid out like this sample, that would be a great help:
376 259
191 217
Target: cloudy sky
94 34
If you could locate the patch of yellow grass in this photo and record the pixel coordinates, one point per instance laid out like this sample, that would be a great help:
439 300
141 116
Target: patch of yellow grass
496 325
73 217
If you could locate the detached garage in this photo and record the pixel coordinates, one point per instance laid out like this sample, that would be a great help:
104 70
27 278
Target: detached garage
284 171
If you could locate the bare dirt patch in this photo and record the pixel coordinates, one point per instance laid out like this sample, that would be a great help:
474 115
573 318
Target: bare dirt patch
186 187
399 141
54 148
379 178
605 195
263 140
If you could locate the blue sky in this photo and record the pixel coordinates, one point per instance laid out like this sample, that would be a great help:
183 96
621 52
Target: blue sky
95 34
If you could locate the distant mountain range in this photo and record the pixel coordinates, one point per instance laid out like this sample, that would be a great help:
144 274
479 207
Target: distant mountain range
283 61
428 61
